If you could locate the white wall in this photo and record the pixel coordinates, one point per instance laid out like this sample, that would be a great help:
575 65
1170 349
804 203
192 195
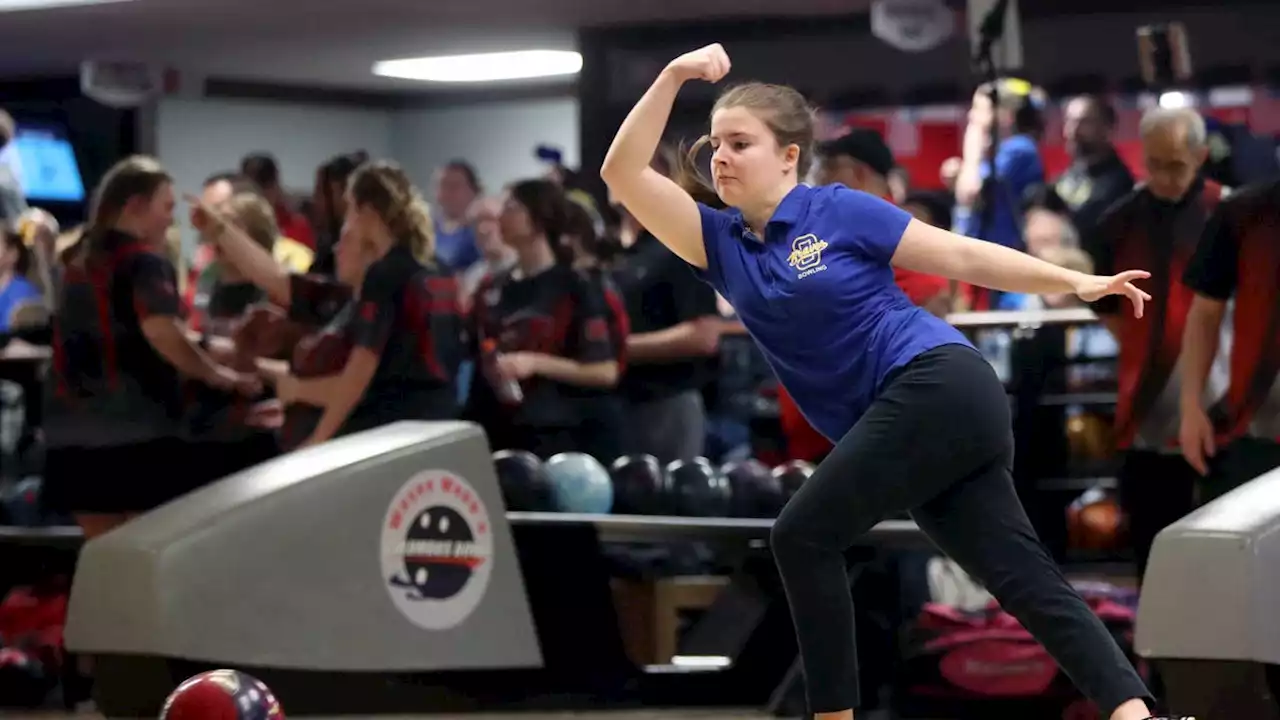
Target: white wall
197 137
497 137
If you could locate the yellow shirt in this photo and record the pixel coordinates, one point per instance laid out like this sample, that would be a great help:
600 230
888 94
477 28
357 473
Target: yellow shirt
293 255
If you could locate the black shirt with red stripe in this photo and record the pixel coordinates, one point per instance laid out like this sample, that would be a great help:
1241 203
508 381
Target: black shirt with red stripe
1143 232
559 312
407 315
601 283
1239 258
109 386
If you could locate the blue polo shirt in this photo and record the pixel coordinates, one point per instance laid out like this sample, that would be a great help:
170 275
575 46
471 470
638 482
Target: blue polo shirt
817 295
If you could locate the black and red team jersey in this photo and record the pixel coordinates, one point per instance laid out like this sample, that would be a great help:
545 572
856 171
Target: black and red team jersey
1239 258
408 315
557 312
619 321
1143 232
108 385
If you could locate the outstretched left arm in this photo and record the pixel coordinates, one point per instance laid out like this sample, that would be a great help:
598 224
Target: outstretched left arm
928 249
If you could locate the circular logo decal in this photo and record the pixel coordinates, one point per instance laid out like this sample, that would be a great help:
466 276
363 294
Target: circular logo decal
437 549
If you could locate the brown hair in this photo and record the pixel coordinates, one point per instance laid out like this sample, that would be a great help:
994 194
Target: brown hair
254 215
383 186
14 241
132 177
782 109
548 210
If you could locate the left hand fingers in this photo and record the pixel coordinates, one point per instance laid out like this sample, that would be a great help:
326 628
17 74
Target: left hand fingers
1138 298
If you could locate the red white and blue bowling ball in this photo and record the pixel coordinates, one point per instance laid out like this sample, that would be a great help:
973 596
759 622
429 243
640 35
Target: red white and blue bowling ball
222 695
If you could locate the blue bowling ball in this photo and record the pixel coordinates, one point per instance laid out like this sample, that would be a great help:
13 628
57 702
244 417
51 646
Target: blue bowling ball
578 484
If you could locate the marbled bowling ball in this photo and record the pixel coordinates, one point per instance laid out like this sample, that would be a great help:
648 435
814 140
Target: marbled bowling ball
222 695
439 553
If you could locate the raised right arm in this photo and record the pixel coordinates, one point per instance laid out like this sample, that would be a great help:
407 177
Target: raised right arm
660 205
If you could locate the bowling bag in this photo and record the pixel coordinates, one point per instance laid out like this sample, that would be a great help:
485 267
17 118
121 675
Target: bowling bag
971 663
31 647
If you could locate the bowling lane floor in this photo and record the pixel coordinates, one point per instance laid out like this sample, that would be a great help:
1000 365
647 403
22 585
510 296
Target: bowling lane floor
664 714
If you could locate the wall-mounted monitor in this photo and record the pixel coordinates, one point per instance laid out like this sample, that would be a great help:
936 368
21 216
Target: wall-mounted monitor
44 161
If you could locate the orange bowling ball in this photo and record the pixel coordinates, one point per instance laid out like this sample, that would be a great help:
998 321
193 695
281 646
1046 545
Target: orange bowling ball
1095 521
222 695
1090 437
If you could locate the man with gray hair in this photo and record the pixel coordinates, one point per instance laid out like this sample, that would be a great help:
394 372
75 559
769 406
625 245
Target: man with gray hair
12 201
1157 227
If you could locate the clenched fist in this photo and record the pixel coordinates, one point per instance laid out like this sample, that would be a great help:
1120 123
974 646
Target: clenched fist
710 63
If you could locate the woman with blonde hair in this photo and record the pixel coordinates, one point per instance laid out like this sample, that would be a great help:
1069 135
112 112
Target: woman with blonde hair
386 333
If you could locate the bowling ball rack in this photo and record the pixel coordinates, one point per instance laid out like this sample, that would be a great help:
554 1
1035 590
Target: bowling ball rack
740 652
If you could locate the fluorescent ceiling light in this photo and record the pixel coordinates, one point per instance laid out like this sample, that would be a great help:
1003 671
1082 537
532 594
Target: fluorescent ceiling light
15 5
484 67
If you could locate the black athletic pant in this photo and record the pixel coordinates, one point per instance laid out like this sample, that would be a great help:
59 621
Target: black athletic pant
937 442
1156 489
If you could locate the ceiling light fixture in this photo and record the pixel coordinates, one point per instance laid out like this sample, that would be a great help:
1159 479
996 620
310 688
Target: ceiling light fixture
483 67
17 5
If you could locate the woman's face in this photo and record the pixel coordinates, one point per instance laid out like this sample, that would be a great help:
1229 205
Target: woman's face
360 221
454 193
515 223
747 164
352 257
153 216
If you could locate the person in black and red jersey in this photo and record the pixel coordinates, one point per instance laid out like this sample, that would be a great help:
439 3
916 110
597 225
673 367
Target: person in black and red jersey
1158 226
1237 439
120 355
541 327
593 257
387 339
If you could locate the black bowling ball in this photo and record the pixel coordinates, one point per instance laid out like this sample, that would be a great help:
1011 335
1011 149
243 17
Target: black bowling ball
638 485
524 486
697 489
792 474
756 492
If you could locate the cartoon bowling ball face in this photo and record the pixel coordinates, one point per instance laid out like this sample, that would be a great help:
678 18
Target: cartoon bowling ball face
222 695
440 553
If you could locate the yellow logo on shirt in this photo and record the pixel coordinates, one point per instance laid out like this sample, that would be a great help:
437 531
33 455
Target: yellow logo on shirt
806 255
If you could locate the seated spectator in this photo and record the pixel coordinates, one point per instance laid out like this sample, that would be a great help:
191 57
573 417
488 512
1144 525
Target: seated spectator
541 327
386 345
120 357
16 291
